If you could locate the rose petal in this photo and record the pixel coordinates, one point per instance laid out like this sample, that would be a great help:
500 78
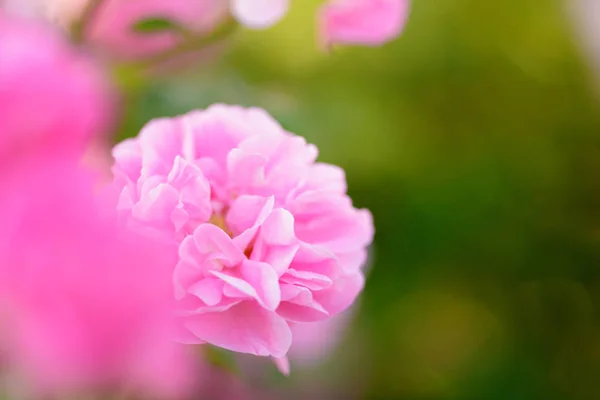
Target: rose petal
245 328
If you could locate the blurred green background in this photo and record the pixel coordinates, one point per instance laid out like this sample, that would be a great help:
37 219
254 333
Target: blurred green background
475 141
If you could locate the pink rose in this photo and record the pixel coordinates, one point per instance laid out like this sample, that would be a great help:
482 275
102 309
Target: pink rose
367 22
86 304
111 28
266 236
51 97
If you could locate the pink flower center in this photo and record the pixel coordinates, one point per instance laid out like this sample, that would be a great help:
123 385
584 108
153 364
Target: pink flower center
219 220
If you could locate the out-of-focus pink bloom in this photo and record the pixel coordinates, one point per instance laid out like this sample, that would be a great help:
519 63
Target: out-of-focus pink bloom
50 96
113 31
97 158
266 236
313 342
112 27
26 8
88 305
362 22
259 14
196 15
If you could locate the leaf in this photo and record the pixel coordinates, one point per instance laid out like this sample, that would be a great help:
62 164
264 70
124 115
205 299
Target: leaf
156 25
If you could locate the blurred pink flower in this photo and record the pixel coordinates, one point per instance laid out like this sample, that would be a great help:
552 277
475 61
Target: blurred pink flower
112 29
50 96
266 236
196 15
97 158
87 305
25 8
259 14
362 22
313 342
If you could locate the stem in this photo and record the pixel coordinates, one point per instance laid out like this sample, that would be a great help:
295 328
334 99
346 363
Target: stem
79 27
189 44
